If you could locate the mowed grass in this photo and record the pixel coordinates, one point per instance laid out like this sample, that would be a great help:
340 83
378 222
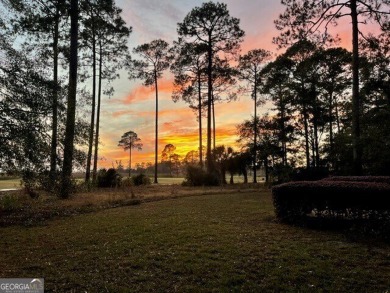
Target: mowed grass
219 243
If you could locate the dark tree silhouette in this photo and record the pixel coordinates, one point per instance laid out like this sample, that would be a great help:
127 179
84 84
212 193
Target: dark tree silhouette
212 26
268 141
71 109
167 152
156 58
303 18
104 40
113 52
250 66
172 159
129 141
24 107
333 81
302 83
89 39
191 157
189 72
224 81
278 87
42 21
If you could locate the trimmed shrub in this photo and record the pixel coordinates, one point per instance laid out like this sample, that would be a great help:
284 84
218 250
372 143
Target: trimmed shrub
197 176
141 179
379 179
108 178
294 200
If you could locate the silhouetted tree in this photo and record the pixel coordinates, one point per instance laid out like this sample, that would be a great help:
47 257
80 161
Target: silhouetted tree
188 68
44 23
113 52
25 91
305 17
104 39
155 59
277 85
375 91
250 66
212 26
129 141
71 105
222 156
302 83
169 157
268 143
191 157
334 80
167 152
224 80
89 39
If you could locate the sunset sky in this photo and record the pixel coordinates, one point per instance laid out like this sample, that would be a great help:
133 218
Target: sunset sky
132 106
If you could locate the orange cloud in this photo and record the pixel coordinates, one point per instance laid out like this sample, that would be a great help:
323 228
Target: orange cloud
142 93
120 113
184 113
137 94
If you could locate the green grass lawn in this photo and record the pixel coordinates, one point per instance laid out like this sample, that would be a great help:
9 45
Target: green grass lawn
207 243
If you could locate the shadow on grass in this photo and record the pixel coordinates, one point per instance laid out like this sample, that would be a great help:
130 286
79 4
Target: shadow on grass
365 231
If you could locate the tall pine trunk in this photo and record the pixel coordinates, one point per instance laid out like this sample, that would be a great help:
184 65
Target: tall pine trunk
92 123
306 129
96 154
331 146
336 109
357 151
283 133
210 163
255 131
130 159
200 118
213 113
156 133
53 150
315 135
71 106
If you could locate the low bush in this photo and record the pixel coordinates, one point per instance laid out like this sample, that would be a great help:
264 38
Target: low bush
127 182
197 176
108 178
36 181
379 179
140 179
9 203
294 200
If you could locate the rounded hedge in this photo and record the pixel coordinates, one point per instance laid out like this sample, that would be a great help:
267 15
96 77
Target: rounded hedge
354 199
